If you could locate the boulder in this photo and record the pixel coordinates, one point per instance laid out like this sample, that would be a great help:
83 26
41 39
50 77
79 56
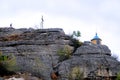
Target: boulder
93 49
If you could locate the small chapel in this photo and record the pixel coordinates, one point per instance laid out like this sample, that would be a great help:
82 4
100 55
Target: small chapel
96 40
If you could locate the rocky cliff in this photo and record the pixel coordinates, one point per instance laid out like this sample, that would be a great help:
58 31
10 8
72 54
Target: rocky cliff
94 61
36 52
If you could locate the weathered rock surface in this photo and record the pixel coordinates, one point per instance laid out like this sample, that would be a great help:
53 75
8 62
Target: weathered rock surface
91 59
36 53
93 49
35 50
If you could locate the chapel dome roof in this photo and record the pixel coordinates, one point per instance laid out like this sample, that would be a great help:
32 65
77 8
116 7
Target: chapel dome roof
96 37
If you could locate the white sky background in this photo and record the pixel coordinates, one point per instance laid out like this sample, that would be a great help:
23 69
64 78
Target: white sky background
87 16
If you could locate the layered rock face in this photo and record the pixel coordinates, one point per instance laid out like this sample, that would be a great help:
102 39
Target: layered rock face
35 50
89 48
93 60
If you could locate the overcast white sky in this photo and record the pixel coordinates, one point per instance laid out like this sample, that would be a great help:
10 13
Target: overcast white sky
87 16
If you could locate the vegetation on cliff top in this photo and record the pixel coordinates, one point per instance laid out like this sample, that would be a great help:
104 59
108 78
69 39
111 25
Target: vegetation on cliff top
75 40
